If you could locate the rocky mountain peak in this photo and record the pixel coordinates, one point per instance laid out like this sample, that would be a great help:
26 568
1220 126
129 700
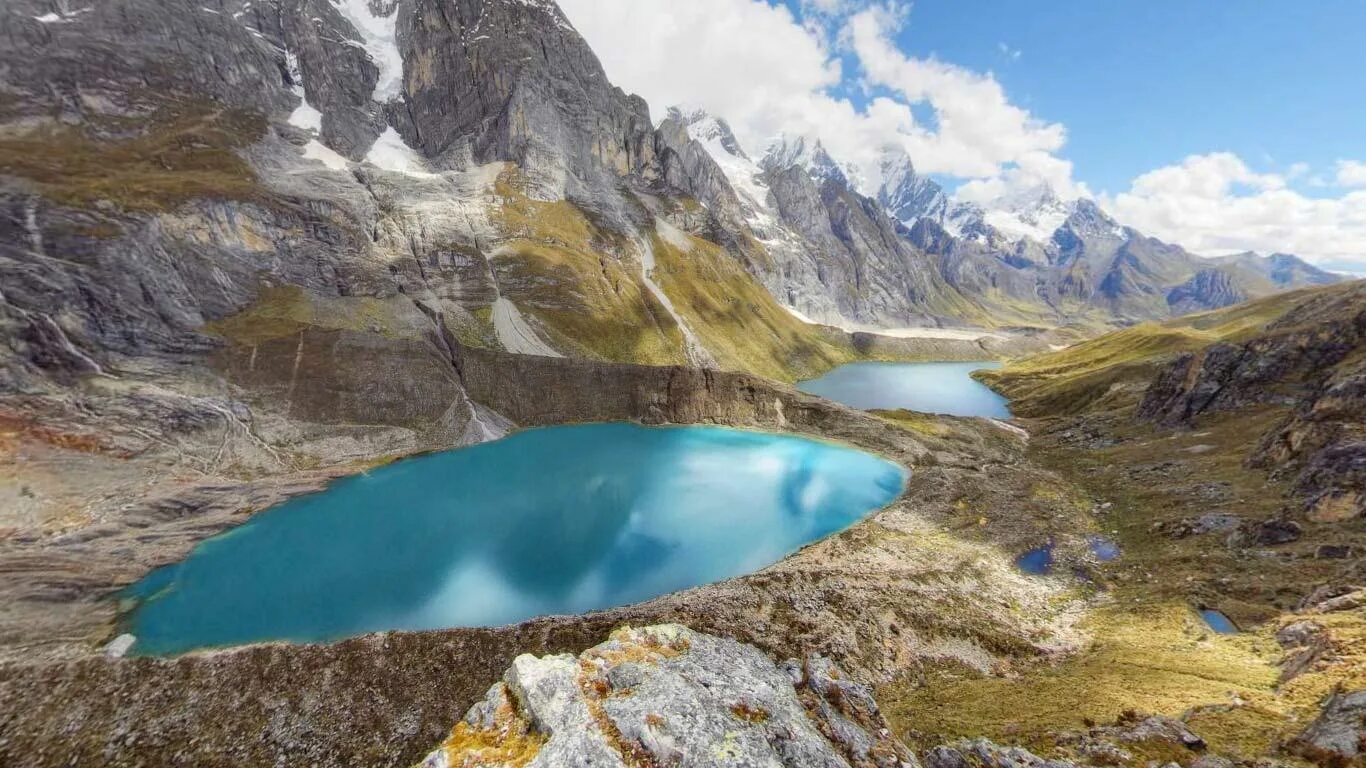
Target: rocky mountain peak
1086 219
785 151
491 80
1031 213
907 196
705 127
1287 269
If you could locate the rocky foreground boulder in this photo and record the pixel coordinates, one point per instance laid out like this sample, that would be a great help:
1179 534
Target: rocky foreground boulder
666 695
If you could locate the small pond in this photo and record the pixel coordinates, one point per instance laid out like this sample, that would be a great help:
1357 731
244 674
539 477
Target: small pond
1037 561
946 388
1218 622
1104 548
548 521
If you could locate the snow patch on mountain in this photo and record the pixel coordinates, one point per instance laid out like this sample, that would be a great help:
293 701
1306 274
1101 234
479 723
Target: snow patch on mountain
316 150
379 38
1035 213
391 153
715 136
784 151
305 115
904 194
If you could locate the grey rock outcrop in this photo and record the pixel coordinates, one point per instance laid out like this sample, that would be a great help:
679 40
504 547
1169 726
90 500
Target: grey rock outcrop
1307 361
1307 644
984 753
1338 736
488 80
666 695
689 168
1208 289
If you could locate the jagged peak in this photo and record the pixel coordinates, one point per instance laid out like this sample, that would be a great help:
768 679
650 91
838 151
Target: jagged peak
906 195
705 127
894 165
786 151
1088 219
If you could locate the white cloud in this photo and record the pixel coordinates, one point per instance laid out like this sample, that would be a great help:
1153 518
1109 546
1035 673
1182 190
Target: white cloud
1351 173
1215 204
767 71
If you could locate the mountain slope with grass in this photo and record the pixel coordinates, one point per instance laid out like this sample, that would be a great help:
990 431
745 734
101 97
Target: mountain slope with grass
250 247
1221 453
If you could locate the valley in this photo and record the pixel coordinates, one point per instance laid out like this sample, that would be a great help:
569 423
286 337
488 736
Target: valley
380 386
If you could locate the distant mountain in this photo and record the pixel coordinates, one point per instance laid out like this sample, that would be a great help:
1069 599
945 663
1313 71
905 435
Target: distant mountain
1281 270
907 253
906 195
809 154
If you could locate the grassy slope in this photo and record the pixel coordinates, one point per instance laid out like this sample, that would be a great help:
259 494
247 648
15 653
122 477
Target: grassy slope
562 270
581 284
737 319
183 151
1107 371
1149 651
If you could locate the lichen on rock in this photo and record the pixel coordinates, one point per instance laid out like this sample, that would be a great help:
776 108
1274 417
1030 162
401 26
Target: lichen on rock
666 695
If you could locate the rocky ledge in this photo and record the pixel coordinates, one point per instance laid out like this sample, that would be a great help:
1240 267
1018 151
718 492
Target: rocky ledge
669 696
666 695
905 587
1310 361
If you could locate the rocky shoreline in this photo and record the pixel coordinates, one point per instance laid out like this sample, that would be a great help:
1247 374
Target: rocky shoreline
881 597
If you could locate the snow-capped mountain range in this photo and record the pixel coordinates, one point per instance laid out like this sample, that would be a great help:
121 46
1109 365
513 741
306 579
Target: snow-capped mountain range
1034 213
1067 255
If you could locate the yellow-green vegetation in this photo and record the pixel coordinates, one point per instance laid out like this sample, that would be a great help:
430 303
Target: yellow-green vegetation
1149 652
181 151
285 311
471 748
736 319
576 279
1109 371
509 743
1153 659
581 283
919 423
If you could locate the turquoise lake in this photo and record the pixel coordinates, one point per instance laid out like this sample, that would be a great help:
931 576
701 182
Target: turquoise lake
946 388
548 521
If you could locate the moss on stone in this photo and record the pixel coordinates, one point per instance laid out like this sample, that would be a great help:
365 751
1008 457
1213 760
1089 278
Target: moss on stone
576 280
284 311
736 319
183 151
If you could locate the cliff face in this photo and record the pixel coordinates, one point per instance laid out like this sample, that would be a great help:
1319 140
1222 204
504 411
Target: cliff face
487 80
1311 360
661 694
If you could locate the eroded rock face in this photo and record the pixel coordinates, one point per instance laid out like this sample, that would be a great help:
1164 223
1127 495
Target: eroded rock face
1338 736
1208 289
489 80
984 752
665 695
1310 361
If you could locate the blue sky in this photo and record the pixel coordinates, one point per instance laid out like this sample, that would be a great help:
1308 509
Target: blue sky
1222 126
1143 84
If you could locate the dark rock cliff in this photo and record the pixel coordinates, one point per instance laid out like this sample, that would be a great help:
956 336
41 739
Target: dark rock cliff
1208 289
1311 361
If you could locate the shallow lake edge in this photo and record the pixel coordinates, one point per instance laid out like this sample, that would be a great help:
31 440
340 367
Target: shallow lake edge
127 603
